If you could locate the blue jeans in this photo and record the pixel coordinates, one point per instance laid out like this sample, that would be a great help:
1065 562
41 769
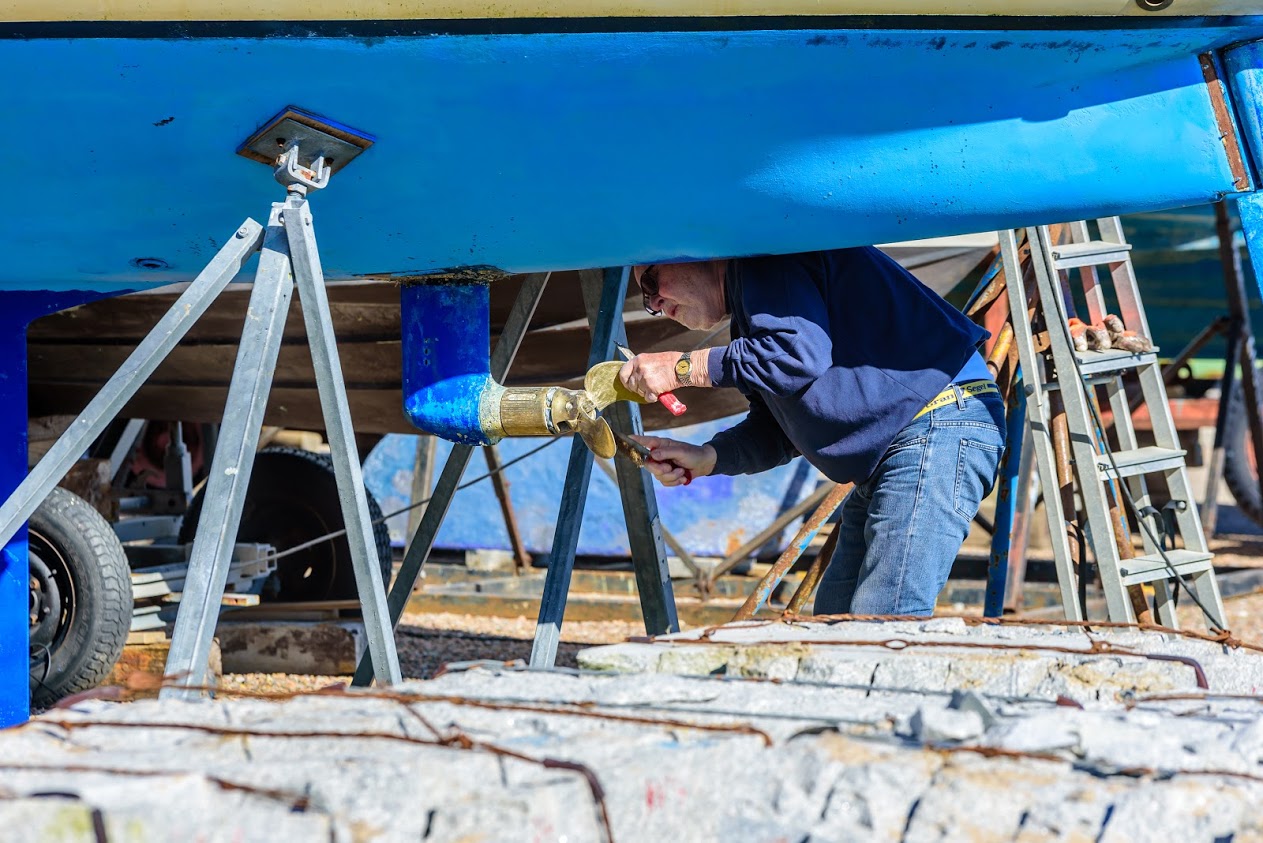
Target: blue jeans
902 527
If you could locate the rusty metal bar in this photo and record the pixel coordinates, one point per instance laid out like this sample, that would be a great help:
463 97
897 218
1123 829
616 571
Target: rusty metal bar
1223 121
1000 351
763 591
1065 488
812 579
735 558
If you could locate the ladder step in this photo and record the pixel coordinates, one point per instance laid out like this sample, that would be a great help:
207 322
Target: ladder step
1150 567
1094 379
1091 253
1141 461
1114 360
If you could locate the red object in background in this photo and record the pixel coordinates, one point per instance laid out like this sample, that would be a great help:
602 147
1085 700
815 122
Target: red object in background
149 456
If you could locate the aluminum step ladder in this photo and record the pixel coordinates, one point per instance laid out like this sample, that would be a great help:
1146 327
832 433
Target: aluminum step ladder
1062 385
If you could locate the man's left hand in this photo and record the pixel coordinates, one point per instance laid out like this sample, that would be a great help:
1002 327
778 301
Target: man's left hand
650 375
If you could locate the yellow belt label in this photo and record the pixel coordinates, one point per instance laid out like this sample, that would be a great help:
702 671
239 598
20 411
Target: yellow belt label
948 395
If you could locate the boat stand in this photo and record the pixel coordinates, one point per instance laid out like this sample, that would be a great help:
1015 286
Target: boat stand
288 255
603 295
289 246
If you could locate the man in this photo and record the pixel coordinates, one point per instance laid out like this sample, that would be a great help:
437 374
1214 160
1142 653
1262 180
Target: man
872 377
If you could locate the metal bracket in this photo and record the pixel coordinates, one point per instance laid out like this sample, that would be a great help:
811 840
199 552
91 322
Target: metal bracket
291 174
318 137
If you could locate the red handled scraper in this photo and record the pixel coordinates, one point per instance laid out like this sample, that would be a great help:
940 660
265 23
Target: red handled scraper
667 399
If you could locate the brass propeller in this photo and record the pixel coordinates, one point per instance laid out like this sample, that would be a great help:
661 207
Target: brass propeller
604 386
577 412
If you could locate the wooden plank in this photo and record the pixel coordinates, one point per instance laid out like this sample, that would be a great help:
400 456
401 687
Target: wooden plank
74 352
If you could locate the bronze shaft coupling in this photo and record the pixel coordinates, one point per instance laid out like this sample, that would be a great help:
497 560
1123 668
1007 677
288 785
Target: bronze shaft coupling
447 384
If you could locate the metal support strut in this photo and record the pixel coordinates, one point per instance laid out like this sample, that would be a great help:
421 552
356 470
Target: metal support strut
603 294
289 256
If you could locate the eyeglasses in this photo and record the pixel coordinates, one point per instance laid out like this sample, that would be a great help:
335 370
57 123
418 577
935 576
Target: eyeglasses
649 288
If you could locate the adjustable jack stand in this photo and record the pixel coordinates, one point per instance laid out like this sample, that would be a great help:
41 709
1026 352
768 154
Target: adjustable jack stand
288 245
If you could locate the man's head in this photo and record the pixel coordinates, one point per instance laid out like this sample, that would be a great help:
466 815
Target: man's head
689 293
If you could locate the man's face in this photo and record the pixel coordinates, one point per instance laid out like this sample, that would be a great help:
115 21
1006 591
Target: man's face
689 293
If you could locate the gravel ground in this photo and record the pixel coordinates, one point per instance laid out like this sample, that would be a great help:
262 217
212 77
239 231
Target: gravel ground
1245 616
427 642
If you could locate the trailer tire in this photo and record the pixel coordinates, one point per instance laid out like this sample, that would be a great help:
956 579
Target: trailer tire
292 499
81 598
1241 468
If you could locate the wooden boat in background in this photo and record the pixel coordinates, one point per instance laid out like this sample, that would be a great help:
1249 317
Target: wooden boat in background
72 353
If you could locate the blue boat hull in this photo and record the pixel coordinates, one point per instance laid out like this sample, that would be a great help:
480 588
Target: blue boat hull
568 150
550 149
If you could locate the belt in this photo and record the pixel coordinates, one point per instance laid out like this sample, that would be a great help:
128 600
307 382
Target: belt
948 395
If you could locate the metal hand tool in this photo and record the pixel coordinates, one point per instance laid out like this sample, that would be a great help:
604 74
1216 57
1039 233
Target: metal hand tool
640 454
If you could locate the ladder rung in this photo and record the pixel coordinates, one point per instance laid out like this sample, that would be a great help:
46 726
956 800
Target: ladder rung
1091 253
1114 360
1098 378
1150 567
1141 461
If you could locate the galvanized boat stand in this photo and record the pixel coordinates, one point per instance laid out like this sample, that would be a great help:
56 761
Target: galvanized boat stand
287 246
603 295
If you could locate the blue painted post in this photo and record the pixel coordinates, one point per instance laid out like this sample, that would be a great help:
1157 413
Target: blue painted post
15 694
16 312
1006 506
1250 208
1244 66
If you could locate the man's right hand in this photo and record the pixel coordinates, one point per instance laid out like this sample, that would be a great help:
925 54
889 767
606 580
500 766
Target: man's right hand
671 458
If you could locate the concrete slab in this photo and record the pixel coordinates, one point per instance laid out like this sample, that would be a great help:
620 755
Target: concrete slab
784 736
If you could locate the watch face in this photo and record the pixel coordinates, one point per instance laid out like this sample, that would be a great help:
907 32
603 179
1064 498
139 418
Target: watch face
682 367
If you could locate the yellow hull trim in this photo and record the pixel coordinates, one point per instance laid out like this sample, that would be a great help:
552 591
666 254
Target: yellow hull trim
329 10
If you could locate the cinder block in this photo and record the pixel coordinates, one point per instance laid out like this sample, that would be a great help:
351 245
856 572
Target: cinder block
322 648
149 656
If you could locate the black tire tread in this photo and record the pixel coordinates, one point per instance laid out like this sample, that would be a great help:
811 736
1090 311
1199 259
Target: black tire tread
113 622
381 533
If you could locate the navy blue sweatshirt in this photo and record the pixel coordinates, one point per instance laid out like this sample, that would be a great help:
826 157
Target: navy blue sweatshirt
836 352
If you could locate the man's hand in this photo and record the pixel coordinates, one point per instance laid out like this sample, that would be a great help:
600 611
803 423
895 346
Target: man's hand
650 375
670 458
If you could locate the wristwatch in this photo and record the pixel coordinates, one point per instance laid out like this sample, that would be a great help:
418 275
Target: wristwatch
684 369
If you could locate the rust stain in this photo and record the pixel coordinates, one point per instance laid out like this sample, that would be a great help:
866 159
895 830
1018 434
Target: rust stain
1227 132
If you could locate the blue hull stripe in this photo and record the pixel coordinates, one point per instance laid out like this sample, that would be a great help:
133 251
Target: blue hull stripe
505 151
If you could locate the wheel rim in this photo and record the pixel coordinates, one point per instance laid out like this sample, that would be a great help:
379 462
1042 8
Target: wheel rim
45 607
52 598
